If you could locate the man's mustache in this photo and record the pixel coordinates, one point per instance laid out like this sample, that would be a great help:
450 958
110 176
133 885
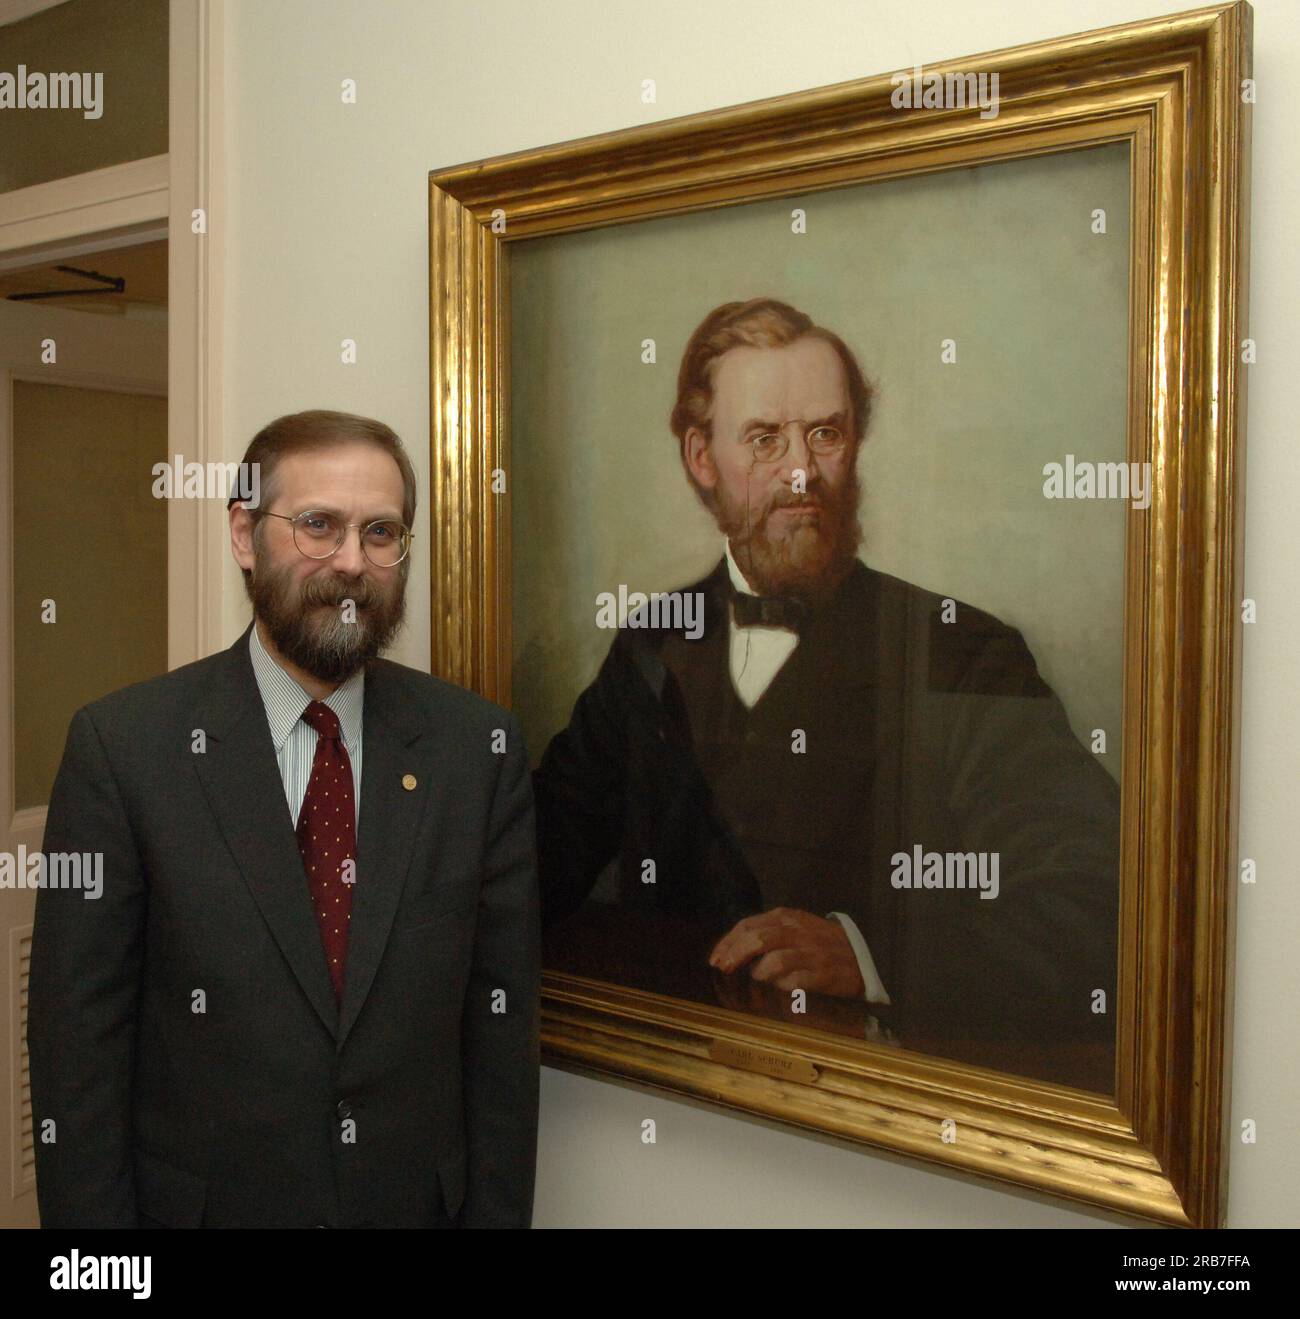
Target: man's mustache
361 592
810 499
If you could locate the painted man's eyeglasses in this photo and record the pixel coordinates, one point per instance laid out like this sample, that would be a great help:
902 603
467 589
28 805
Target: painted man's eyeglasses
771 446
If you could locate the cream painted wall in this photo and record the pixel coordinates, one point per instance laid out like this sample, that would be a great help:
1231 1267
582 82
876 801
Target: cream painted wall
327 240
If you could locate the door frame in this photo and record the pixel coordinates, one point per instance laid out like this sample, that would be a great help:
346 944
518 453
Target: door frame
139 201
142 201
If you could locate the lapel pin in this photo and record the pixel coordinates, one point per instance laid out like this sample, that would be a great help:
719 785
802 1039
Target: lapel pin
408 782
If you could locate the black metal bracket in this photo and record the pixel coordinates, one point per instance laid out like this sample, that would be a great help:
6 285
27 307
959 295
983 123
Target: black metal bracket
111 283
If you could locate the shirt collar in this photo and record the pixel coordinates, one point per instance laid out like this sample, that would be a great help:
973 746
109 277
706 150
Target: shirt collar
285 699
737 577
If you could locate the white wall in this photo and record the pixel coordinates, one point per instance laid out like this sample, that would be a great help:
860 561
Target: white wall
327 240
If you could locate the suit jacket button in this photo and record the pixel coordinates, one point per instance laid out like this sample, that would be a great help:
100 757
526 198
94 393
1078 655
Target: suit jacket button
343 1109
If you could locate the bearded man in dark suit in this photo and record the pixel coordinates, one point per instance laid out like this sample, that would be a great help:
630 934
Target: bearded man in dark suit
307 996
840 784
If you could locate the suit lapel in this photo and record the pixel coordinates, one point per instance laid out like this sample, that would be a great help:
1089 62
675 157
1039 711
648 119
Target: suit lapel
389 818
241 780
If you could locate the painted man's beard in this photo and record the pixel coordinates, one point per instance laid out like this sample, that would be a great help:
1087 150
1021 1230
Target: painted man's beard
307 623
811 557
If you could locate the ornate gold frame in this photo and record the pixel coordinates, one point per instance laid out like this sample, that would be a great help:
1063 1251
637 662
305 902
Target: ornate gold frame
1172 88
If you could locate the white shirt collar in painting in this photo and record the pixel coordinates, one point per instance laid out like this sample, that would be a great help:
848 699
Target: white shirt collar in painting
757 653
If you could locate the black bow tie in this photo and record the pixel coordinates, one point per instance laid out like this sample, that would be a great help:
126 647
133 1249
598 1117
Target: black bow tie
770 611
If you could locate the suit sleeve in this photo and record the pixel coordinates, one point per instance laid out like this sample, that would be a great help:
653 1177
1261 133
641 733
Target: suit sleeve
580 787
84 984
500 1028
1027 963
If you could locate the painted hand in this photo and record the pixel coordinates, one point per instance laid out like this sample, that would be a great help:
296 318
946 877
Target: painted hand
792 949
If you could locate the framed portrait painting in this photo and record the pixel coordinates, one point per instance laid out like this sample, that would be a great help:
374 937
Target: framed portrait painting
844 492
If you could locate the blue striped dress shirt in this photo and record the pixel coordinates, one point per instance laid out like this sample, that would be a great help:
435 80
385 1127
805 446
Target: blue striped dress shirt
295 741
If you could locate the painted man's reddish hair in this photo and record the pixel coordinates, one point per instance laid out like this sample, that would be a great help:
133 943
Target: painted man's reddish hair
758 323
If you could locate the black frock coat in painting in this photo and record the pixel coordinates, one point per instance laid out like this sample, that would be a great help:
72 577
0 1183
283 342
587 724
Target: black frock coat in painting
921 727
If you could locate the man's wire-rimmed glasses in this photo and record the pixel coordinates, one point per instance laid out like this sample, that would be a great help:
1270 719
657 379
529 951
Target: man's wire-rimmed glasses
318 534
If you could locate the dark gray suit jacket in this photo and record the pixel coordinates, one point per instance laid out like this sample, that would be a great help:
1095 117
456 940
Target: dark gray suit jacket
184 1037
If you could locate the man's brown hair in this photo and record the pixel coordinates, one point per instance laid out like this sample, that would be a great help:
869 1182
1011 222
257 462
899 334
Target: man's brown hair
758 323
301 432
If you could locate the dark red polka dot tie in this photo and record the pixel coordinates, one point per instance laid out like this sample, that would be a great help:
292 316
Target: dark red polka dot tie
327 839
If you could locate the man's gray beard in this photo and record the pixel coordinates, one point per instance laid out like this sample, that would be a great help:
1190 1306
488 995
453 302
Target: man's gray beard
811 560
319 641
